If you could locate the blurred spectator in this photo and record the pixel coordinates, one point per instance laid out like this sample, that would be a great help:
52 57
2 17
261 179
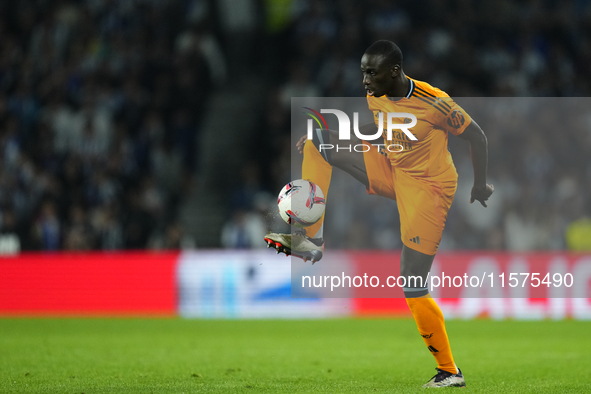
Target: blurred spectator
173 237
578 235
47 230
10 242
109 229
79 234
298 85
244 230
248 186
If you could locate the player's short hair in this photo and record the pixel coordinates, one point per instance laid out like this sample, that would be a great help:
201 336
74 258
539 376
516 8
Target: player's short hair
388 50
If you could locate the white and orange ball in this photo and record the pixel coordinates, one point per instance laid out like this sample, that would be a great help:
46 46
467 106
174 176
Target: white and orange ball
301 203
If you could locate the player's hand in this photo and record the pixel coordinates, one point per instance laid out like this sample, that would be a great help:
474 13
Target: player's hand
481 194
301 143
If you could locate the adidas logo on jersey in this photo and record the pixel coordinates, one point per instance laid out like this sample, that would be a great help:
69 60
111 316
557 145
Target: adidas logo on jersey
415 240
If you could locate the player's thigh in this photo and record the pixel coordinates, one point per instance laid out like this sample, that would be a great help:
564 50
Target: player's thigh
379 172
360 159
348 156
423 206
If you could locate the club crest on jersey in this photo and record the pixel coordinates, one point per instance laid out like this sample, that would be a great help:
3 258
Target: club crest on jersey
456 119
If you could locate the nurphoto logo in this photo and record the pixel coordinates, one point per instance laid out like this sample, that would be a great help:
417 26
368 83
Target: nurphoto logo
402 121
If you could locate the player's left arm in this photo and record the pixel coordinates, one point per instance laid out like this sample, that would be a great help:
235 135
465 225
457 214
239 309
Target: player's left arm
481 191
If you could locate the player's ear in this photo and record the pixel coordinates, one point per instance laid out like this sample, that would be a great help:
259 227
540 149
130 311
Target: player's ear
395 70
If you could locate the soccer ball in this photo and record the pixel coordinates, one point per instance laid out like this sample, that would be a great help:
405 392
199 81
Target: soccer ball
301 203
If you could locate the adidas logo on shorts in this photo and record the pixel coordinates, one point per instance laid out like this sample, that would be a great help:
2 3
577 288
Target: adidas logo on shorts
415 240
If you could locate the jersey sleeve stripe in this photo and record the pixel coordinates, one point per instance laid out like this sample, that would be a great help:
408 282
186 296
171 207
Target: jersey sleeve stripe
425 93
434 102
429 102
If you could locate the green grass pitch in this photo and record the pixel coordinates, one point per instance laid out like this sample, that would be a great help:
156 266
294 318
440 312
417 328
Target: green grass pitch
269 356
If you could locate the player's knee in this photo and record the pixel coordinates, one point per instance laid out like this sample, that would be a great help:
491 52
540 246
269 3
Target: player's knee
415 284
321 140
414 268
415 292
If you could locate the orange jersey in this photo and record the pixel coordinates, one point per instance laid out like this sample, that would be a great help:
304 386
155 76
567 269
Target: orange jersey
436 114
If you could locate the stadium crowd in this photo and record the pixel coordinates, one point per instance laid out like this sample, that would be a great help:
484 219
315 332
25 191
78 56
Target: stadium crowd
101 105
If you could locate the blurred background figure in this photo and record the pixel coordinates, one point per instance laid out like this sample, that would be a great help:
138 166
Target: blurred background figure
10 239
578 235
47 230
243 231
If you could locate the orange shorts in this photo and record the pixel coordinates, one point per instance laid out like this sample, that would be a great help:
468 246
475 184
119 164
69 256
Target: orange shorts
423 203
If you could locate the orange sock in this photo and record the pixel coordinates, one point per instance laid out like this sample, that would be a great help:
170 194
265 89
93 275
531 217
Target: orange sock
315 169
431 326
